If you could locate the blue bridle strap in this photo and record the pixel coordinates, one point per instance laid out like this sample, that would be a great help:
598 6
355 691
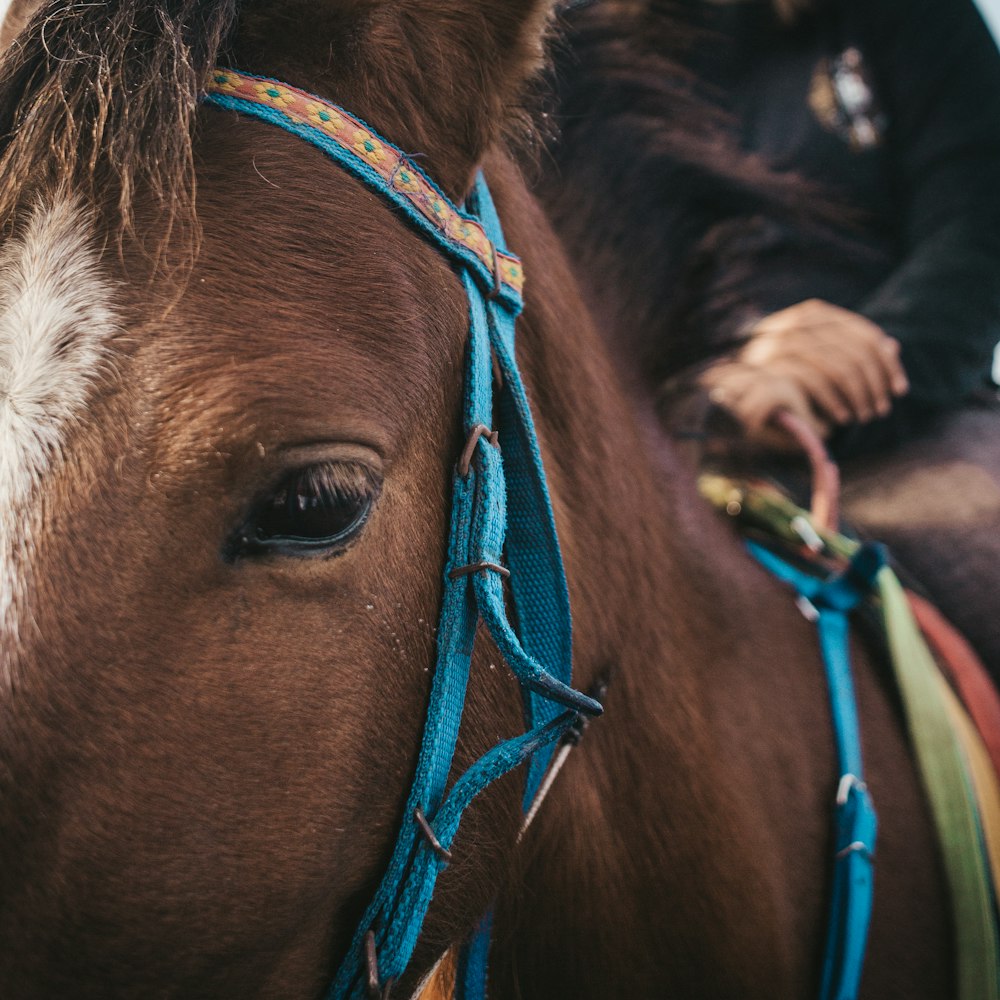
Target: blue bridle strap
487 542
376 162
479 537
828 602
538 582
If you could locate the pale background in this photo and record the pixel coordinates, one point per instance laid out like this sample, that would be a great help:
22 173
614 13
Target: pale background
991 8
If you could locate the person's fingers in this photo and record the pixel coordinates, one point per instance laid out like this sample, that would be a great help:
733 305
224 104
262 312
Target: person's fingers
726 382
891 350
741 389
761 406
868 362
875 374
753 396
882 368
861 364
871 371
860 378
761 399
821 390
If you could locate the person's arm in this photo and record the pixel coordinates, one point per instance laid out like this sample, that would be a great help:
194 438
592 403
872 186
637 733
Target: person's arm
938 74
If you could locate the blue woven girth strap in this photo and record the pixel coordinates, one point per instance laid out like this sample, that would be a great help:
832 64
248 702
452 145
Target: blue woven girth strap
828 602
501 526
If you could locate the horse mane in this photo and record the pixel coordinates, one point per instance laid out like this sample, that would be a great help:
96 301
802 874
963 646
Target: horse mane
97 101
637 130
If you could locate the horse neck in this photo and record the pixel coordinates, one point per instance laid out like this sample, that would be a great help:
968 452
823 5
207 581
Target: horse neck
653 814
684 849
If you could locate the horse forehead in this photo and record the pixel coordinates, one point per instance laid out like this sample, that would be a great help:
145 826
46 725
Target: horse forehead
309 290
56 327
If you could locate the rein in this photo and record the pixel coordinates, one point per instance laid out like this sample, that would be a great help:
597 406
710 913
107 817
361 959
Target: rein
502 528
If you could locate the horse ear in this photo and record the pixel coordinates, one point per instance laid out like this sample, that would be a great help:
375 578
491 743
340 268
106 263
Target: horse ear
16 17
440 78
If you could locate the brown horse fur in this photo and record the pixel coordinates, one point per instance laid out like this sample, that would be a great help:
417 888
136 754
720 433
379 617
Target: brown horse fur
203 758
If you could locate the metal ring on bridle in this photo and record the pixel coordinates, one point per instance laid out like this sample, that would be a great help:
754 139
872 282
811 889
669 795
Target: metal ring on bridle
430 836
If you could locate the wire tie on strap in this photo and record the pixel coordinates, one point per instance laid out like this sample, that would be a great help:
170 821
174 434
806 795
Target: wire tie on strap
567 743
858 847
494 292
847 782
373 988
425 828
809 610
481 567
478 431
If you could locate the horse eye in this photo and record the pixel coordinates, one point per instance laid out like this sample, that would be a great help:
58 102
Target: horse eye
312 511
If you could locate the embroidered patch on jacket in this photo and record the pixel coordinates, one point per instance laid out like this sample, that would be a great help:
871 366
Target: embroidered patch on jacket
842 97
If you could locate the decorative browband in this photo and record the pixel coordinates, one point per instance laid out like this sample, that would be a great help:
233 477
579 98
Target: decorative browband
363 152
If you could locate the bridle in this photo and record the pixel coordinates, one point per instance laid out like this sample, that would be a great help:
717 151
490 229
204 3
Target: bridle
502 529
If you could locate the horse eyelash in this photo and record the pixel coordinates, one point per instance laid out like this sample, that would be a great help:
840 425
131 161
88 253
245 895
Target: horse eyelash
332 480
335 481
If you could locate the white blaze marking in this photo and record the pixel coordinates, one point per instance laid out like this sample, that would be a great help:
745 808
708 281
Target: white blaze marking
55 327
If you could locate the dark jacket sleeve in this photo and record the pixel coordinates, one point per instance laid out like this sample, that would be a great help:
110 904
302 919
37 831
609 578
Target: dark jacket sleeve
938 72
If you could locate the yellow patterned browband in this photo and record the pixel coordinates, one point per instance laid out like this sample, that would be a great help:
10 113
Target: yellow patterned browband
352 142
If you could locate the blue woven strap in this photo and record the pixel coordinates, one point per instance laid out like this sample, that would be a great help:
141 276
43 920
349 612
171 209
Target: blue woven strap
537 652
481 535
538 581
421 200
473 963
855 824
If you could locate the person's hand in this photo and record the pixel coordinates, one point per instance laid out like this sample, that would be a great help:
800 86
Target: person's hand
846 365
753 395
826 364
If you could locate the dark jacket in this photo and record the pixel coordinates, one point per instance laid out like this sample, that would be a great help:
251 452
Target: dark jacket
891 108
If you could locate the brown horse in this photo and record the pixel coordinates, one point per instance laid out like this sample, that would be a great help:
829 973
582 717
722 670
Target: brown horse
208 330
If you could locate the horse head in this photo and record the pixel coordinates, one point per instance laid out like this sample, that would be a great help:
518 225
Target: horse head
230 411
